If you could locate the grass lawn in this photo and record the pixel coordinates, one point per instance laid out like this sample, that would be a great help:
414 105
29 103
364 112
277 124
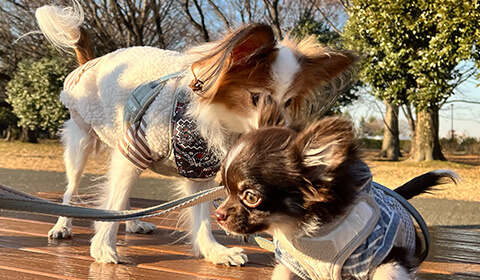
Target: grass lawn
48 156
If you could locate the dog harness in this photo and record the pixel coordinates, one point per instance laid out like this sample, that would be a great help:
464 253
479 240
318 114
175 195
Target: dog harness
194 159
354 244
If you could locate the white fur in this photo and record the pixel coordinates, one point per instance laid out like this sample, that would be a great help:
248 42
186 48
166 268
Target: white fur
391 271
282 272
283 71
232 155
99 98
62 23
78 146
200 229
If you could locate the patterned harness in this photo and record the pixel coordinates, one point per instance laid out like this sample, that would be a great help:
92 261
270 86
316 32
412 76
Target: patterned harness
194 159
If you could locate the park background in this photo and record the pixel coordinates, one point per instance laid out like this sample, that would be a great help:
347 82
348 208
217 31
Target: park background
417 59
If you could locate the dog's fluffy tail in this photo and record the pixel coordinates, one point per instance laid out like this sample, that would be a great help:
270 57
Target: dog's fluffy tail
62 28
426 182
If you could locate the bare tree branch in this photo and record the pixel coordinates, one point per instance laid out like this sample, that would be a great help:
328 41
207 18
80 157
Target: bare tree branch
199 26
325 17
273 13
219 13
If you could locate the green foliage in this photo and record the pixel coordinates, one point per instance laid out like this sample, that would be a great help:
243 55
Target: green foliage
7 117
461 145
375 144
308 26
34 92
413 48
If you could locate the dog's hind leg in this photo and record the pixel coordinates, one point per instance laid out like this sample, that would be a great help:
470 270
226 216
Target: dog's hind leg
121 177
79 145
137 226
391 271
201 232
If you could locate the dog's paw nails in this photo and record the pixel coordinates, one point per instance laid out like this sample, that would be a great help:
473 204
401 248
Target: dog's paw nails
104 254
136 226
228 256
60 232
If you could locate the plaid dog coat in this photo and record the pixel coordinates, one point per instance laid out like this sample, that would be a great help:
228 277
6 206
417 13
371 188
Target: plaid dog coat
356 245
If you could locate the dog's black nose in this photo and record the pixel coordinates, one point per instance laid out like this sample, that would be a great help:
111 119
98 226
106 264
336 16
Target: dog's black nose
220 215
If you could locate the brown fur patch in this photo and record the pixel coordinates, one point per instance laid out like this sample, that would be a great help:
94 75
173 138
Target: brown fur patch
84 48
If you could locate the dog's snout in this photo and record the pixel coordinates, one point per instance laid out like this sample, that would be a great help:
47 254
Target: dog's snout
220 215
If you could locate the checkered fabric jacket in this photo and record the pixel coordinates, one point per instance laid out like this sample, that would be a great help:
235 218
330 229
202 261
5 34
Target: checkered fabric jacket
393 224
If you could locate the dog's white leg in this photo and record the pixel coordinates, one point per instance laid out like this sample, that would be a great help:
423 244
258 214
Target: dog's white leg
137 226
121 177
201 231
78 146
281 272
391 271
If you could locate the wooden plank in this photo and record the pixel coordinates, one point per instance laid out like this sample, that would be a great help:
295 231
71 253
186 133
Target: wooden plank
9 273
152 252
54 266
455 252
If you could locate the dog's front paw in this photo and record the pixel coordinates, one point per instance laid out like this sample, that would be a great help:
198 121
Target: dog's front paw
227 256
62 229
102 252
137 226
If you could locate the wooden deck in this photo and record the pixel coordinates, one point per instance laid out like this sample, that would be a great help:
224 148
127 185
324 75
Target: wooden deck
26 252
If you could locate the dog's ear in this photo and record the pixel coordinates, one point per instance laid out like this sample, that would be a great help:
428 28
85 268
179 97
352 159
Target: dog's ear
325 66
248 45
251 41
320 64
324 146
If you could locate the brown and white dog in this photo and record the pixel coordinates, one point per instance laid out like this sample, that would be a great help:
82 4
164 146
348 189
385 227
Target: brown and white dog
225 81
309 189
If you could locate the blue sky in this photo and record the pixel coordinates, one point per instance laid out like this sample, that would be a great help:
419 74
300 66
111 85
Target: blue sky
466 116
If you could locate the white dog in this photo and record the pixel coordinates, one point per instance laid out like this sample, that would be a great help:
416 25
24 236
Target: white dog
218 88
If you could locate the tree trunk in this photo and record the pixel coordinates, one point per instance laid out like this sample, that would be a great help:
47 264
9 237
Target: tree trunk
427 143
391 141
8 136
412 125
28 135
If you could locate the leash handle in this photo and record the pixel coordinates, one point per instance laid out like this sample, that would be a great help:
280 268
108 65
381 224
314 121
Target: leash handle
414 213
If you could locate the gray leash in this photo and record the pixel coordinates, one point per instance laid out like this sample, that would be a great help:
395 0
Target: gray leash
16 201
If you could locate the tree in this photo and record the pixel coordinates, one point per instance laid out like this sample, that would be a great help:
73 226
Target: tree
8 120
391 139
413 50
371 127
33 94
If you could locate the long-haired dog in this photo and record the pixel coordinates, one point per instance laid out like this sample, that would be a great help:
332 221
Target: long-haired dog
311 191
222 83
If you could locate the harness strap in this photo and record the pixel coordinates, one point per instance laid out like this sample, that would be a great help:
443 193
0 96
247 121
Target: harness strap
17 201
414 213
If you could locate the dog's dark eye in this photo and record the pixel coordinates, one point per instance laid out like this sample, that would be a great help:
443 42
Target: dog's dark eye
251 199
255 98
289 101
